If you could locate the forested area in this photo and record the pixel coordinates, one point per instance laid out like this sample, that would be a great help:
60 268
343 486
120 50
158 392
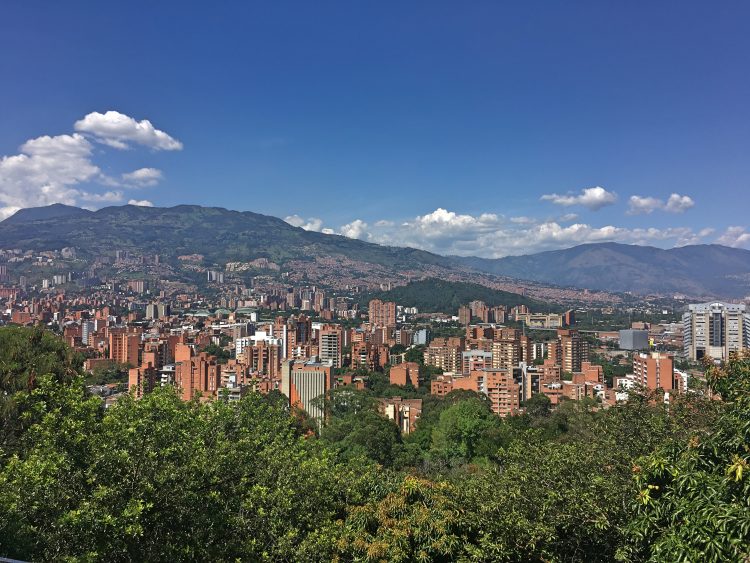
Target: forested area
160 479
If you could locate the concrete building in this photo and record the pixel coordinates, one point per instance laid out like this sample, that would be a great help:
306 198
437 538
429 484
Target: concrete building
655 371
404 372
632 339
382 313
715 330
506 348
404 412
303 382
330 344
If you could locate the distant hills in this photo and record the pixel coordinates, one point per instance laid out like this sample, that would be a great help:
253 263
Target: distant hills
222 235
54 211
218 234
699 270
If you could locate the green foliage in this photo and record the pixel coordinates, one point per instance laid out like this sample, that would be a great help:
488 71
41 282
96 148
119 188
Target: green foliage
466 430
221 354
365 434
159 479
418 521
110 373
26 354
693 502
436 295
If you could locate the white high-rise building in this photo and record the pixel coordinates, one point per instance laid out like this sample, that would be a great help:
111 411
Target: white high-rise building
715 330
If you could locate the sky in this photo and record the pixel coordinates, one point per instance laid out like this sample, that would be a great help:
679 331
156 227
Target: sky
470 128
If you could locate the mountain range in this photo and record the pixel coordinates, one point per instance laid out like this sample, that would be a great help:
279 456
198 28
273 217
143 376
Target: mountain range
222 235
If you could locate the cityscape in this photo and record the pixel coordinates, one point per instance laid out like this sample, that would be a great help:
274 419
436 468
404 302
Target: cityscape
374 283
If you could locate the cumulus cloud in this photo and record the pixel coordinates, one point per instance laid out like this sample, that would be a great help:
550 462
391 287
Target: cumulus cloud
641 205
140 202
638 205
735 237
61 168
593 198
491 235
644 205
355 229
310 224
678 203
143 177
119 131
47 170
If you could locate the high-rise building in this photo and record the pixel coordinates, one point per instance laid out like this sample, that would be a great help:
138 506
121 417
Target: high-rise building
464 315
303 382
446 353
506 348
715 330
124 347
382 313
198 376
404 412
329 344
572 349
655 371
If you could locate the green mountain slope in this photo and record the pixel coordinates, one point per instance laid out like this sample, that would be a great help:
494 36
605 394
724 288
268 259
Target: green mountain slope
219 234
434 295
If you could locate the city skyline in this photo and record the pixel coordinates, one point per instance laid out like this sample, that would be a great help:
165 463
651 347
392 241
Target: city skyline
622 125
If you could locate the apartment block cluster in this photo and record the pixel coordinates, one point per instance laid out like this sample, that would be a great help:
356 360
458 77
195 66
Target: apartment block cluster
508 366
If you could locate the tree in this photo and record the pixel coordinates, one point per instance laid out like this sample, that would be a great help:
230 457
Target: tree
25 355
417 521
366 433
465 431
160 479
693 502
538 406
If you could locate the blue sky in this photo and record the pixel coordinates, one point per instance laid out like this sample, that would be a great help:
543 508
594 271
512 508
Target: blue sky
484 128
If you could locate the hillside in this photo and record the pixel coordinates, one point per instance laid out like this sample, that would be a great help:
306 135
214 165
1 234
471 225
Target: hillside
219 234
434 295
701 270
54 211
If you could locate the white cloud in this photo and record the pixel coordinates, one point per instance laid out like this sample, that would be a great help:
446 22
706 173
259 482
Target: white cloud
60 169
568 217
638 205
678 203
734 237
6 212
491 235
143 177
140 202
355 229
46 171
593 198
311 224
642 205
118 130
523 220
